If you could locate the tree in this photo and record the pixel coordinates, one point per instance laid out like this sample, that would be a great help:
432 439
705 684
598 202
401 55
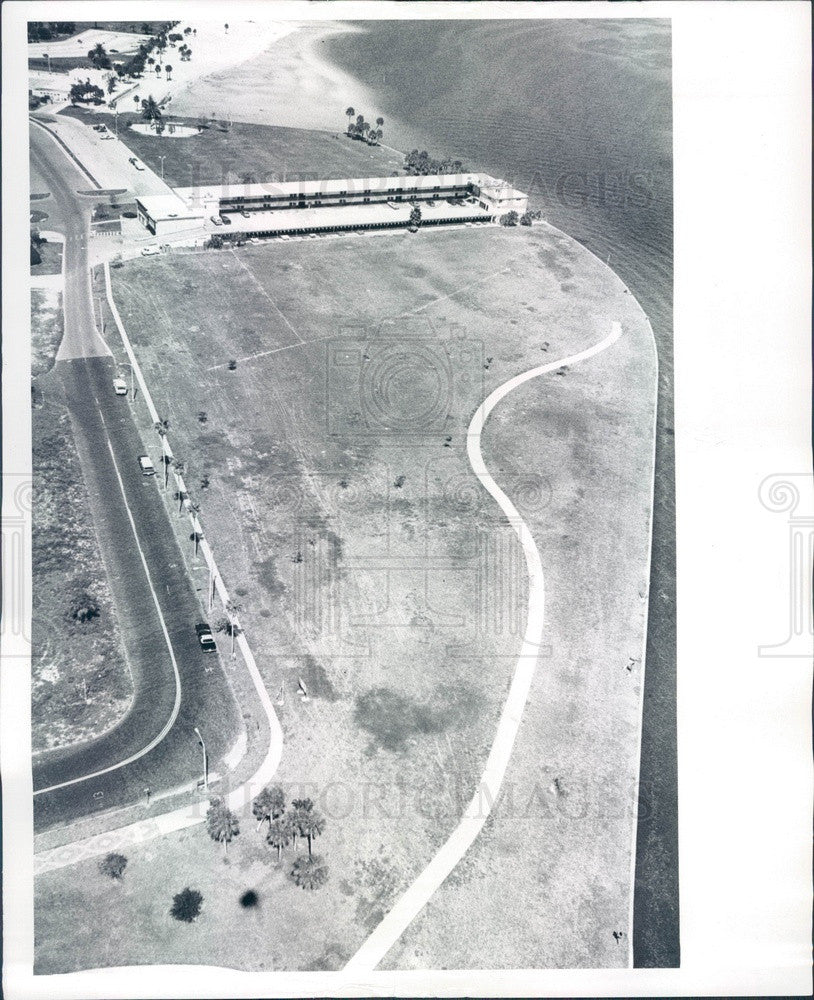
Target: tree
221 823
509 219
526 219
379 124
311 825
415 217
233 609
86 92
98 57
113 865
150 109
279 834
186 905
310 872
226 28
111 84
269 804
350 112
168 70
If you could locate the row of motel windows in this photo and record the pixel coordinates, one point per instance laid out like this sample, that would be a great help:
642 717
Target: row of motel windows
304 200
395 224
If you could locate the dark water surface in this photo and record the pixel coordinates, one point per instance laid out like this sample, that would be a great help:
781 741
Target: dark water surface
578 114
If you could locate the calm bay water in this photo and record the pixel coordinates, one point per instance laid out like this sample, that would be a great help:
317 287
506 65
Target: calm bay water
579 115
576 113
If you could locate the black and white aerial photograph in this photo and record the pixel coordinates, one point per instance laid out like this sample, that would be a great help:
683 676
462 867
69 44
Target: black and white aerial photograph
352 492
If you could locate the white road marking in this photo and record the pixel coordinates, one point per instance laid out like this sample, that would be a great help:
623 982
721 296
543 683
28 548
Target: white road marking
477 812
176 707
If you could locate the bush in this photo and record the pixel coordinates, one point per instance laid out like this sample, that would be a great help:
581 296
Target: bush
113 865
310 873
509 219
526 219
186 905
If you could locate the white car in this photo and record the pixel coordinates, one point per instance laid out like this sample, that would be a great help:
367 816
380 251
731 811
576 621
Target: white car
119 386
216 219
285 236
150 251
147 467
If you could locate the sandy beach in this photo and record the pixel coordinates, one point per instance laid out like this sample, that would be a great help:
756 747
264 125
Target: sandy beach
289 83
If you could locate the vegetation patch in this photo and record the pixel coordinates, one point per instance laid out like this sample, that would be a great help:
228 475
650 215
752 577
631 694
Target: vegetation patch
81 684
392 719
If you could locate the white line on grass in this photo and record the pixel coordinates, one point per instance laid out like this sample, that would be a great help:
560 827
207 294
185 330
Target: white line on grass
477 812
177 705
253 276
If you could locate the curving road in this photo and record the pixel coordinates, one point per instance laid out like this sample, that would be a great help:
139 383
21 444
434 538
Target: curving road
477 812
154 745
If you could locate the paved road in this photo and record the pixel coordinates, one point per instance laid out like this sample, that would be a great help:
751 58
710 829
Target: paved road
108 443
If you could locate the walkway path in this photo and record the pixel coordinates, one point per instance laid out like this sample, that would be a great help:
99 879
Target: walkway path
477 812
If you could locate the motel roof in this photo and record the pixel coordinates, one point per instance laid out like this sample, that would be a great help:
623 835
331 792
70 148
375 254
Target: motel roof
421 182
166 206
339 216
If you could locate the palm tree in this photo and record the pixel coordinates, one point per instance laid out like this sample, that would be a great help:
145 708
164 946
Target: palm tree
310 872
221 823
151 111
269 804
279 833
311 825
379 123
168 70
350 112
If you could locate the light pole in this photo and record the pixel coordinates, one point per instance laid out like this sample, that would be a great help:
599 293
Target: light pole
205 762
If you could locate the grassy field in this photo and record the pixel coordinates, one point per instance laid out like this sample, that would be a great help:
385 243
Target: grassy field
129 923
319 394
80 681
247 152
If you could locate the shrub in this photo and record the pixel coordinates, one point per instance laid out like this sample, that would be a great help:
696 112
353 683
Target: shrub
310 872
186 905
113 865
509 219
526 219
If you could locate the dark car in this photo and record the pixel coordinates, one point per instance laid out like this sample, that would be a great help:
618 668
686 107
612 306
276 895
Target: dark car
204 633
225 219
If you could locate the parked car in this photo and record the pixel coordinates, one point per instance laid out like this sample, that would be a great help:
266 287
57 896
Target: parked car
119 386
150 251
216 219
225 219
285 236
204 633
138 166
245 214
147 467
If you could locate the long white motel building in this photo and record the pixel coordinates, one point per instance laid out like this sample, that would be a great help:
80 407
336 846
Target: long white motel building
300 207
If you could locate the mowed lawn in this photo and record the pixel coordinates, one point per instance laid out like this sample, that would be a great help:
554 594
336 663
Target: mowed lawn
319 393
84 919
241 152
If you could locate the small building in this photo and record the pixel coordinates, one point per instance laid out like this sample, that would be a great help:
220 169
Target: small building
163 214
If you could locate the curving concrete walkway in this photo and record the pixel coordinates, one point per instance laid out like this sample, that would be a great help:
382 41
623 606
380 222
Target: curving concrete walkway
477 812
